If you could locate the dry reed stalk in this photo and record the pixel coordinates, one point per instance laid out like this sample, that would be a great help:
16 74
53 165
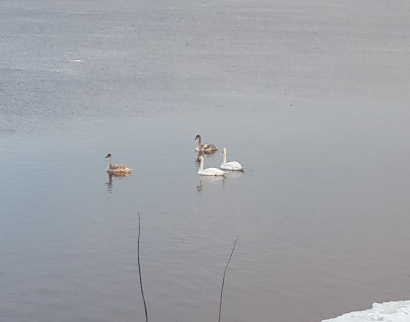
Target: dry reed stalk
223 280
139 268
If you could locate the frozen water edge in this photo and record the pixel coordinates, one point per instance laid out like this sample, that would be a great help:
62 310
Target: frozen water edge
388 311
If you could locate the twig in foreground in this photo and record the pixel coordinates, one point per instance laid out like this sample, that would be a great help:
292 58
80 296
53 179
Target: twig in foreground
139 267
223 280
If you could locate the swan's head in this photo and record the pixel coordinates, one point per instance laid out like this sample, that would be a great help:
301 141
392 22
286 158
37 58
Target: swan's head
201 158
224 151
198 137
108 155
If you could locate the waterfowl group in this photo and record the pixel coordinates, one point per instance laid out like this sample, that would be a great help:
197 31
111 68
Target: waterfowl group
208 148
202 149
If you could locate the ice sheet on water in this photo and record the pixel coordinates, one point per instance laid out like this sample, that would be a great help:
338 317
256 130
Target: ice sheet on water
388 311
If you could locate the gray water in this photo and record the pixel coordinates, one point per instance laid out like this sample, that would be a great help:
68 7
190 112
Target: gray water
310 96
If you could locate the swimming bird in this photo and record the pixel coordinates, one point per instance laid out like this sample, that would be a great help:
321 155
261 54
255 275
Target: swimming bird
208 171
206 147
232 165
117 168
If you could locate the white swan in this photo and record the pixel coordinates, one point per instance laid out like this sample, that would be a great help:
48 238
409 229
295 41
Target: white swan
119 168
206 147
232 165
208 171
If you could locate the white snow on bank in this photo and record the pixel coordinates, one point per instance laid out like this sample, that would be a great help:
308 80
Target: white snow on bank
387 312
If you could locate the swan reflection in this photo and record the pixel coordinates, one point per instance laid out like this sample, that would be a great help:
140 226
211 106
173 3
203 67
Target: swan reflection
234 174
230 176
203 154
210 180
115 175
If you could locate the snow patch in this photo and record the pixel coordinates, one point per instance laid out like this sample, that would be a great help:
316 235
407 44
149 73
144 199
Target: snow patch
387 312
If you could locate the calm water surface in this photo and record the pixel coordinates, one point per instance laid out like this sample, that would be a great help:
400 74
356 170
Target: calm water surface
311 96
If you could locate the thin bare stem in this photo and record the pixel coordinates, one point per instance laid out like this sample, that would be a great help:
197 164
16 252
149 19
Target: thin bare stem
139 267
223 280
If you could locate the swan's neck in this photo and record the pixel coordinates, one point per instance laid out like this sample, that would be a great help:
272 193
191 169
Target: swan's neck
110 163
201 165
199 141
224 157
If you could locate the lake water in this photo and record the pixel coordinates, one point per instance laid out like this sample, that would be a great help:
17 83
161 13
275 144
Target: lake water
312 97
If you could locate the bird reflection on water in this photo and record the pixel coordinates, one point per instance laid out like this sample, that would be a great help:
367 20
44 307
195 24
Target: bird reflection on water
203 154
210 180
114 175
230 176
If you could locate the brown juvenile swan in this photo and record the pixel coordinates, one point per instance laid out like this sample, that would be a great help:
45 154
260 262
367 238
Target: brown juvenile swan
206 147
116 168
